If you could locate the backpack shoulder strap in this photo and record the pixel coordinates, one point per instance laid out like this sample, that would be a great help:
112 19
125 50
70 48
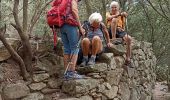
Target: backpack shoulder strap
102 29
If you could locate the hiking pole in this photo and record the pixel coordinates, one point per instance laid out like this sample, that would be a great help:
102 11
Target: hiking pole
70 60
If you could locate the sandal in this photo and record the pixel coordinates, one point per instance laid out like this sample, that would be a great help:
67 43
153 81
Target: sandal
128 63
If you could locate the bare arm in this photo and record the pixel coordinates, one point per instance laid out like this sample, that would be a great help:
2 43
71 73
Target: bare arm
106 33
75 11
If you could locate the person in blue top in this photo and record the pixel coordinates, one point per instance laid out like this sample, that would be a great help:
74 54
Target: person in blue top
92 44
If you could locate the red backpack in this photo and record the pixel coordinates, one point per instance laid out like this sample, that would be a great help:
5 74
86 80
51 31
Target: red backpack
56 16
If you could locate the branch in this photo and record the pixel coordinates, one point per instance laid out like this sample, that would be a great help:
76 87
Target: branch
25 16
37 14
2 31
15 14
13 53
160 5
150 24
17 28
157 11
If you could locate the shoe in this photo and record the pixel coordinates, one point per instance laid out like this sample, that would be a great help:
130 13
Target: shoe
84 62
129 64
91 61
73 75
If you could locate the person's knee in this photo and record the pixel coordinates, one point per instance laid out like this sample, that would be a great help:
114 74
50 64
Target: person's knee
85 41
128 38
96 38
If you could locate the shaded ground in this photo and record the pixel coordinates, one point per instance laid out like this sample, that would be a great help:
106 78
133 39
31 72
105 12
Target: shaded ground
160 91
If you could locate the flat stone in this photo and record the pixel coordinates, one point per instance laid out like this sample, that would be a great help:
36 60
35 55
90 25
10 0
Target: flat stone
14 91
40 77
37 86
34 96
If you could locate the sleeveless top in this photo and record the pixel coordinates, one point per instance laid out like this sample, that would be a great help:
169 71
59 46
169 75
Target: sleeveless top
97 32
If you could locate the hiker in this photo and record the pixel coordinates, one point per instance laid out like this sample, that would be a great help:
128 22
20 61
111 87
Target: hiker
70 38
92 44
116 27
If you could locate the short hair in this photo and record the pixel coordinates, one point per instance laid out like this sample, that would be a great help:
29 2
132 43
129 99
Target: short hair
95 17
114 3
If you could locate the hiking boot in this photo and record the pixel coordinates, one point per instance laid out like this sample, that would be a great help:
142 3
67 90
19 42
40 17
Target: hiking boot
129 64
73 75
84 62
91 61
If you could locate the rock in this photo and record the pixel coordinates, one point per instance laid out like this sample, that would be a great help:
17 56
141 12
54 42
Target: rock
55 83
108 59
4 52
49 91
40 77
37 86
110 94
81 86
85 98
99 67
124 91
34 96
70 99
119 61
15 91
134 95
113 76
117 50
1 74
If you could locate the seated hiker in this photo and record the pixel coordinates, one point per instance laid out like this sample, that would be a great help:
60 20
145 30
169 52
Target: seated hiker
116 27
92 44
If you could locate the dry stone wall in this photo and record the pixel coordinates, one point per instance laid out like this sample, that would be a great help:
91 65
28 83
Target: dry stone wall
108 79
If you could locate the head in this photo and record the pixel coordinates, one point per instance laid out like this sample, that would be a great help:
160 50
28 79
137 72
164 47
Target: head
95 19
114 6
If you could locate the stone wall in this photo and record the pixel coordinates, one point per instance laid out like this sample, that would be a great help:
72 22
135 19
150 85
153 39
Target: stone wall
108 79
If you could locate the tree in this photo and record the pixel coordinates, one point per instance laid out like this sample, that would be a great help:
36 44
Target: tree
24 30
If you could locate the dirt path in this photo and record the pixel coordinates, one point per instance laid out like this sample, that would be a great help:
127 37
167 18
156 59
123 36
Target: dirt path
160 92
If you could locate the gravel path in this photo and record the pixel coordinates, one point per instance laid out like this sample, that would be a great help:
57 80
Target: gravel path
160 92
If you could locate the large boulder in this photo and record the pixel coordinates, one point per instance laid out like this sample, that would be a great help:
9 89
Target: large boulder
15 91
4 52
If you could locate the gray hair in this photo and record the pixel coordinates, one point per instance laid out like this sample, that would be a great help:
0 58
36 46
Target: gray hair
95 17
114 3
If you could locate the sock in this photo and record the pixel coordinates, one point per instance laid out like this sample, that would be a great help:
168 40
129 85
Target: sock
93 56
85 58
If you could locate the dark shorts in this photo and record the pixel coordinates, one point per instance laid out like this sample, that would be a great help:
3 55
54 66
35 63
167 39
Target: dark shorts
119 34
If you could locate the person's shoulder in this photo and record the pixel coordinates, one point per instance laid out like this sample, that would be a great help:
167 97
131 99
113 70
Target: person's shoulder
107 13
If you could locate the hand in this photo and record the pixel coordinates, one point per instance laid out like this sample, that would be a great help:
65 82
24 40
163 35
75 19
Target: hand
109 44
124 14
82 31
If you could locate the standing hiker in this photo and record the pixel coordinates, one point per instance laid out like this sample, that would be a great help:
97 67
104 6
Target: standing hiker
116 26
70 36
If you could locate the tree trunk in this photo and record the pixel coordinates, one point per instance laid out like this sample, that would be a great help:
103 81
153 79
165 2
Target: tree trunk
104 10
88 7
14 54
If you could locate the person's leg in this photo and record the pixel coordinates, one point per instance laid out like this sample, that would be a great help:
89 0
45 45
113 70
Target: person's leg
85 45
73 38
128 40
66 47
96 48
113 27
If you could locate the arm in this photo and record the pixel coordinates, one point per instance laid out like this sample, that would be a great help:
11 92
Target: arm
110 17
75 14
106 34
